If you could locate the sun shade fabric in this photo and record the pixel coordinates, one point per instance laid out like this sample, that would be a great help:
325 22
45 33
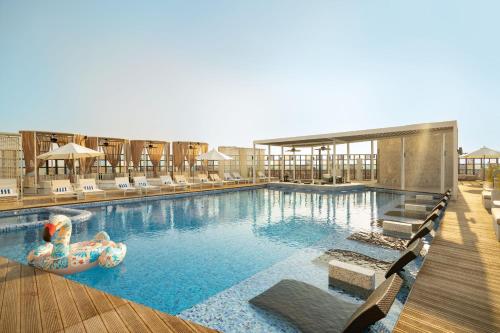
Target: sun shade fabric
214 155
408 256
136 149
180 151
187 150
155 153
28 139
483 152
88 162
314 310
113 153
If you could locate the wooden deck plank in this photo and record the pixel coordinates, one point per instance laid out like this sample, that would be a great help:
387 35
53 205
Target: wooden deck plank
31 320
131 319
150 318
108 314
10 320
84 304
458 286
51 318
4 264
65 302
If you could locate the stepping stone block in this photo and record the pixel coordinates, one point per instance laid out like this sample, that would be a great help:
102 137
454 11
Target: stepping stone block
424 197
495 214
418 208
397 229
486 199
354 279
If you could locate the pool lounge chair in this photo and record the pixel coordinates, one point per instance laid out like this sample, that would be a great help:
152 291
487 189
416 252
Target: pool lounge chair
62 189
262 176
237 177
215 177
8 189
142 183
203 180
314 310
89 187
166 182
181 180
122 184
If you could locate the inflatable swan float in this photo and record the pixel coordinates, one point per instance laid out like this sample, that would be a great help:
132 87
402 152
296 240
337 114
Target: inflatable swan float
61 257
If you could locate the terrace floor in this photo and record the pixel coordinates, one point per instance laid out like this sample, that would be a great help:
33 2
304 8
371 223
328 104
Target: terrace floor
32 300
458 286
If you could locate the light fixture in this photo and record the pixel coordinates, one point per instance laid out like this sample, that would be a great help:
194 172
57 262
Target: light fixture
53 138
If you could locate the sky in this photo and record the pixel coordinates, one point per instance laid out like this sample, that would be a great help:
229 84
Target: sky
229 72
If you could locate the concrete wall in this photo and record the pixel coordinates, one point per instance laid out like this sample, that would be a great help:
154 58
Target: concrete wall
422 161
244 164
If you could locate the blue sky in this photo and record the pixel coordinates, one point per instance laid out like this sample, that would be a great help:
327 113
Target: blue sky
228 72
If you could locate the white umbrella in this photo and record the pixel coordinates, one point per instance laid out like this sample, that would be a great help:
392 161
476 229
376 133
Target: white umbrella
214 155
71 151
483 153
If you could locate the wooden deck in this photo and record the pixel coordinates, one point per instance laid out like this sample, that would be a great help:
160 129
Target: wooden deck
32 300
458 286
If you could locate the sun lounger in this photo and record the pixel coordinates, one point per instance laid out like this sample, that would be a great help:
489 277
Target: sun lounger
122 184
262 176
203 180
237 176
8 189
89 187
495 215
181 180
62 189
314 310
168 183
495 199
142 183
215 177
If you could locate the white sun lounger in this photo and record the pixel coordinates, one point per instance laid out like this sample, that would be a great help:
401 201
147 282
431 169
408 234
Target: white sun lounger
181 180
62 188
237 176
215 177
122 184
8 189
89 187
168 183
142 183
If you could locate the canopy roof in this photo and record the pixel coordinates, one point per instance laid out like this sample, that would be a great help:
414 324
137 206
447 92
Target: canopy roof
70 151
483 153
214 155
358 136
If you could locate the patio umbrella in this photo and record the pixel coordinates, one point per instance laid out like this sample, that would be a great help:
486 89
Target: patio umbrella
70 151
214 155
483 153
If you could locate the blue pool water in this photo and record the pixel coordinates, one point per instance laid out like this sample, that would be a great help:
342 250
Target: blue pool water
183 251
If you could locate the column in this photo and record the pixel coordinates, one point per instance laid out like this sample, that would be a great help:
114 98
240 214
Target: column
372 175
334 163
403 153
443 157
348 163
282 165
294 163
269 163
312 165
455 162
36 162
253 165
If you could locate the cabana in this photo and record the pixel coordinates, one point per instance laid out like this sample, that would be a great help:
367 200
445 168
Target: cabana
421 157
185 154
146 155
11 160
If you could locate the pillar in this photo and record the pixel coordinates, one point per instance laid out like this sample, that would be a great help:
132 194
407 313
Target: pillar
403 180
334 163
348 177
372 175
253 165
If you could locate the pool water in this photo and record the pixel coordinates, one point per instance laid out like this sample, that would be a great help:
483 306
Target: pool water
183 251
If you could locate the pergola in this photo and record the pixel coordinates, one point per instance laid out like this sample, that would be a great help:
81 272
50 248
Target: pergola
371 135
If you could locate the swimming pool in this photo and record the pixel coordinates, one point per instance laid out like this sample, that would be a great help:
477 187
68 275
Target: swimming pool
183 253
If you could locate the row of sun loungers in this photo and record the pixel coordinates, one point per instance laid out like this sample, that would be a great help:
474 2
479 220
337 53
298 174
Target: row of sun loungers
491 201
312 309
141 185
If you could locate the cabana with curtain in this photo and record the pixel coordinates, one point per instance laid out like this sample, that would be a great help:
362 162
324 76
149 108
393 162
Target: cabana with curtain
187 152
35 143
115 162
147 155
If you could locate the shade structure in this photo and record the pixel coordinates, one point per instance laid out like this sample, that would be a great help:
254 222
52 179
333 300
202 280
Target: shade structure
214 155
483 152
69 152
